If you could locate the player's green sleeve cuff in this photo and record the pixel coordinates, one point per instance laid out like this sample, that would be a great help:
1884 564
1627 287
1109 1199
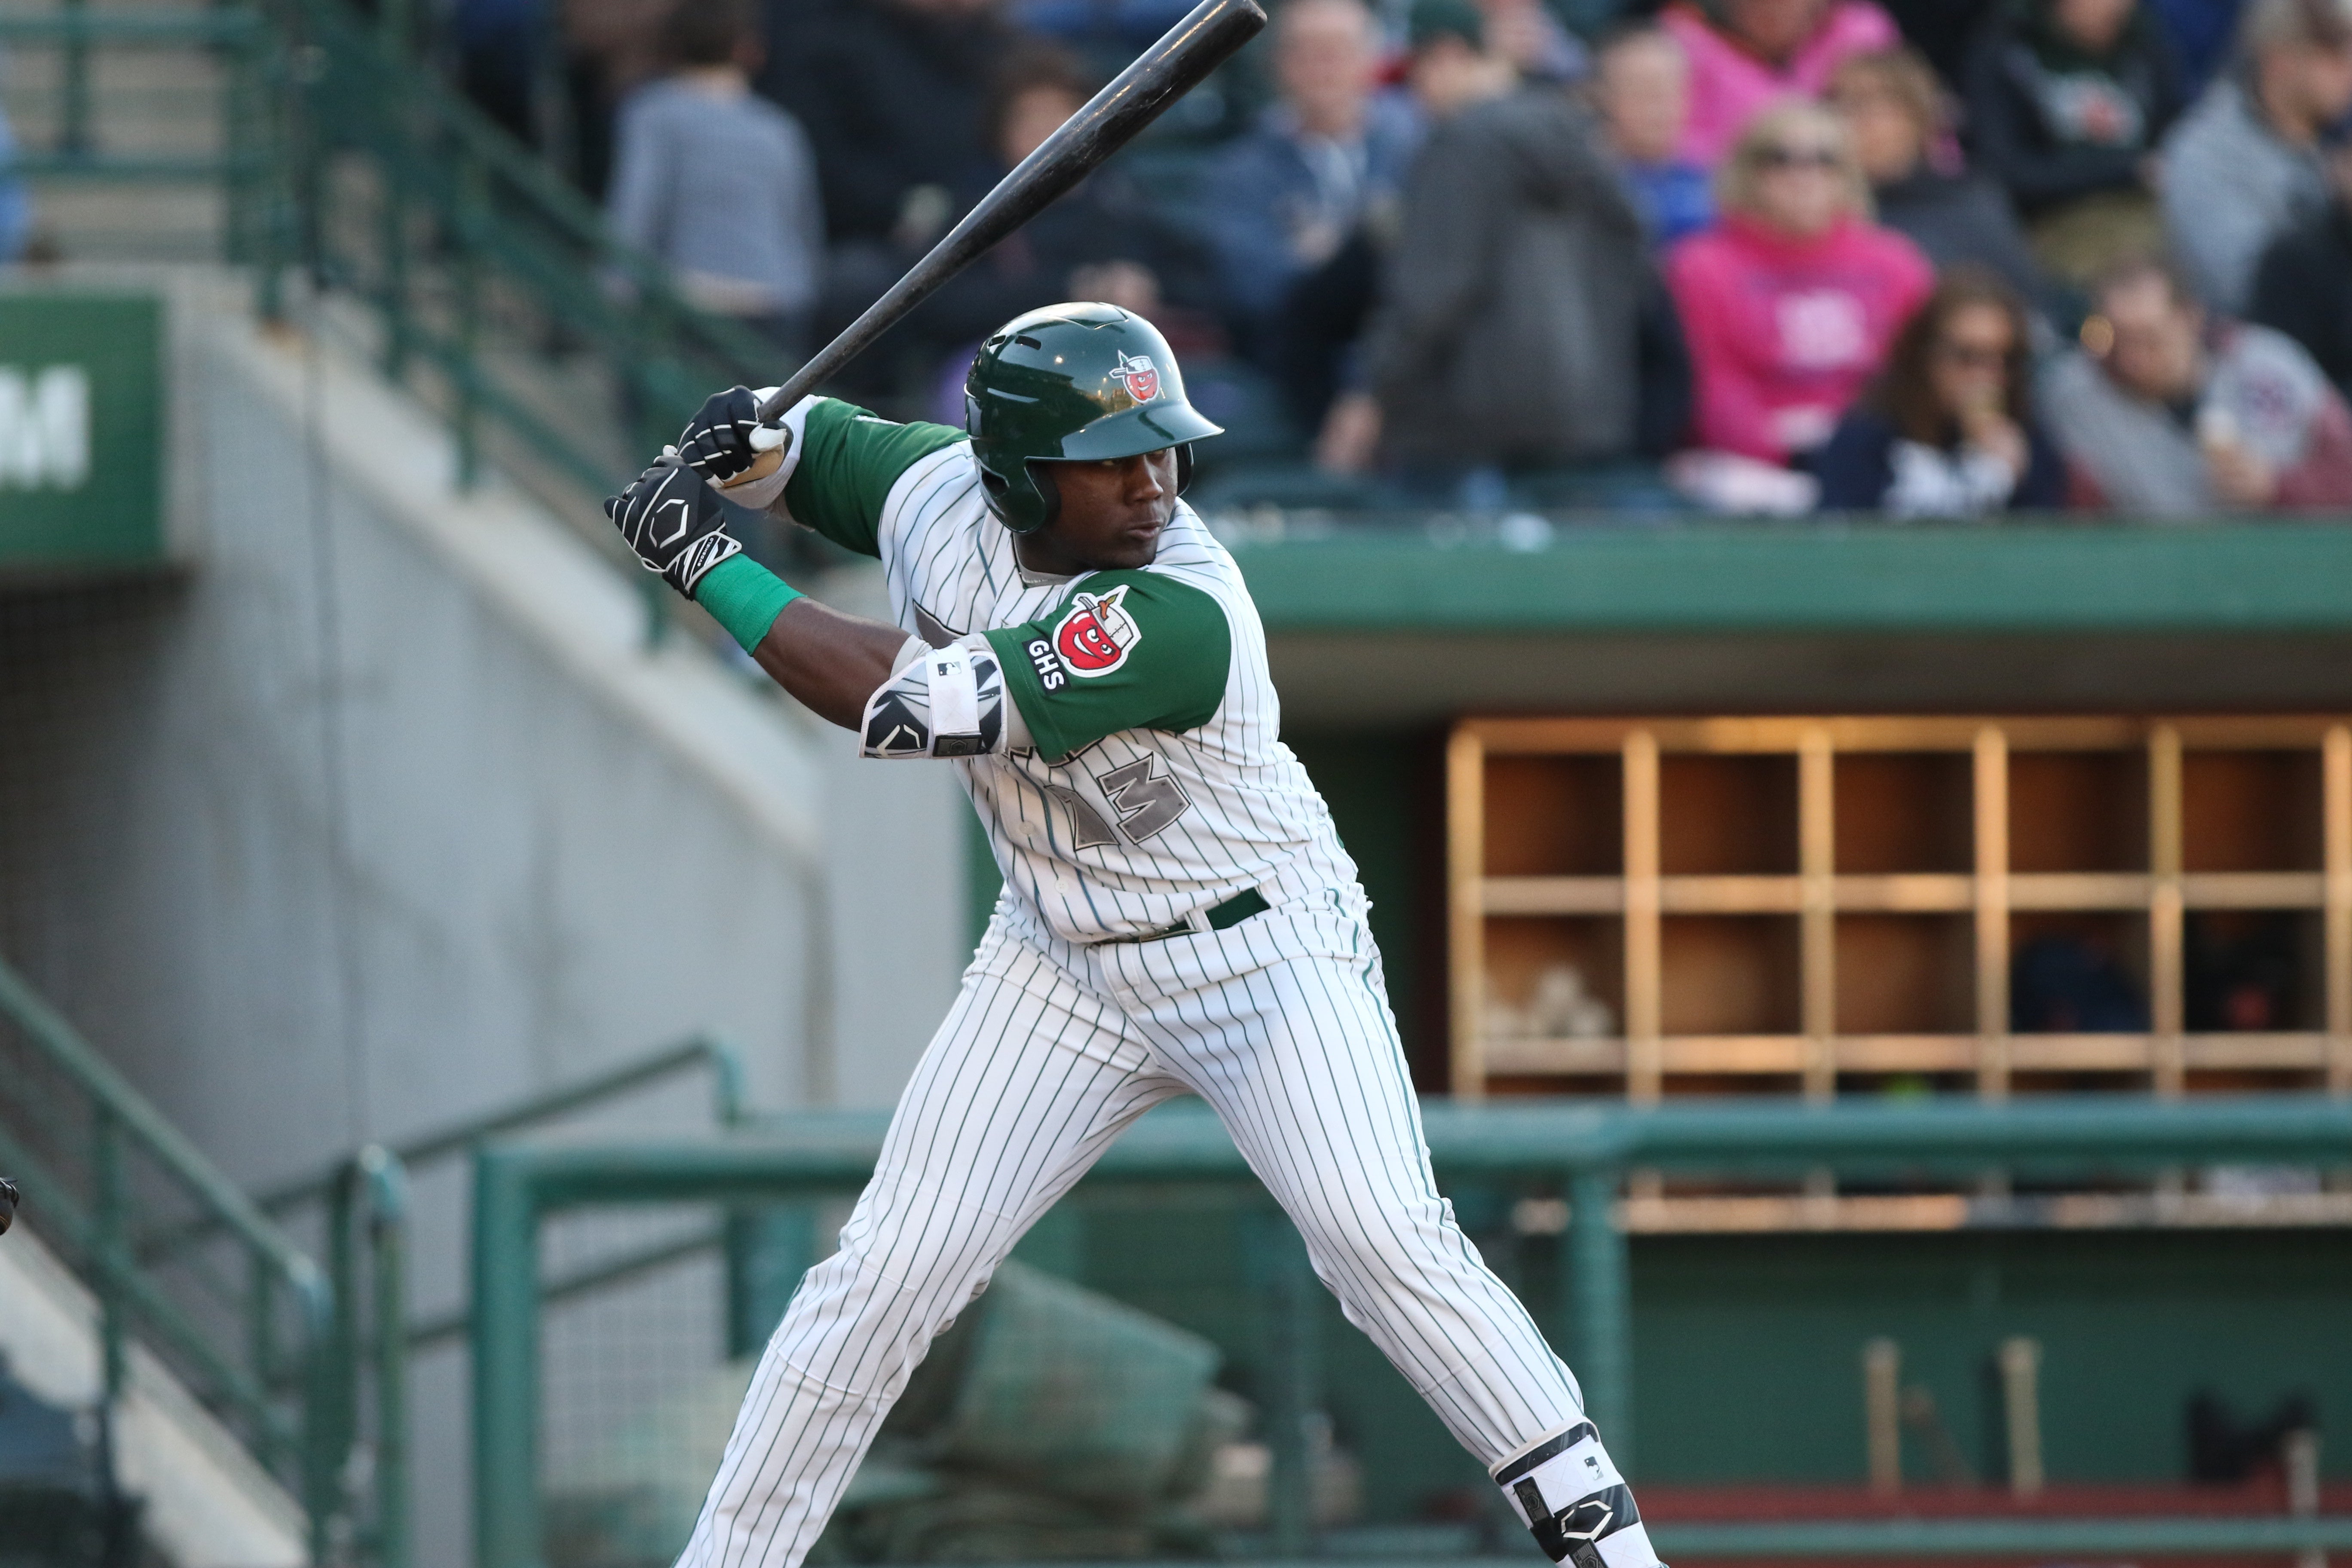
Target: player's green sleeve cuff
745 597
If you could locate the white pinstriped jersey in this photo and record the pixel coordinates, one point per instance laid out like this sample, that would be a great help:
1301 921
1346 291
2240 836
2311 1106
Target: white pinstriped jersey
1154 787
1134 831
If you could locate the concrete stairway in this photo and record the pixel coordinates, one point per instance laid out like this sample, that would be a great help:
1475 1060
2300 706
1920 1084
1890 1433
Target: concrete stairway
204 1501
157 103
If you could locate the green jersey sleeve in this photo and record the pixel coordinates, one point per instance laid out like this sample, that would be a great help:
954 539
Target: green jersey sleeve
848 461
1127 650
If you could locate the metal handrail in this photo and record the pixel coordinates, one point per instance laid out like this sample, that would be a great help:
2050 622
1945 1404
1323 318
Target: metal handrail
441 156
96 1078
132 1302
1587 1151
154 30
305 80
729 1108
371 1192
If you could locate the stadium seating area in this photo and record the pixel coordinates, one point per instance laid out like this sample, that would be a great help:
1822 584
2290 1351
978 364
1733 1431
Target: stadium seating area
1753 255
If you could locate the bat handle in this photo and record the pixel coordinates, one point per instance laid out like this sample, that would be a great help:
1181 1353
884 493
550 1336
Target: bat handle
770 460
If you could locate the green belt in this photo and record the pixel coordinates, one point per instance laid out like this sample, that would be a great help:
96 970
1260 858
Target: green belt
1232 912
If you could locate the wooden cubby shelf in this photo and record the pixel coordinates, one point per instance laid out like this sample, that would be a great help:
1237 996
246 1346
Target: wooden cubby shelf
1800 905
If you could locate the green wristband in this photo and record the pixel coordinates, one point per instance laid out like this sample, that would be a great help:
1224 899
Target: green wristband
745 597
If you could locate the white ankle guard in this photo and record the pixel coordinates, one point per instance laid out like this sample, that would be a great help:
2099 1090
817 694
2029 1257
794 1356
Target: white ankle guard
1571 1499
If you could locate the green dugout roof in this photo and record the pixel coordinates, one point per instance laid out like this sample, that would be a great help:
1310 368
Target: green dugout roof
1807 577
1373 624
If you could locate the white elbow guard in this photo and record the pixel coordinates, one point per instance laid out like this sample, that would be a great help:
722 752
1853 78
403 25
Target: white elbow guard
948 703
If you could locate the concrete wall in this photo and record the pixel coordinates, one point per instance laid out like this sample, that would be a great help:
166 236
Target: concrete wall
382 811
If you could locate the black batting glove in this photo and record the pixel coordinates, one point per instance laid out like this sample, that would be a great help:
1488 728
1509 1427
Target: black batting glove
674 524
716 442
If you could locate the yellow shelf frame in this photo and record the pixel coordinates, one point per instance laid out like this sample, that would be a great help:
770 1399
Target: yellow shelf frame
1816 894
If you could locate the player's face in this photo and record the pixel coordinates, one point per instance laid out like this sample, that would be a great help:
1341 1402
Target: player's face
1111 517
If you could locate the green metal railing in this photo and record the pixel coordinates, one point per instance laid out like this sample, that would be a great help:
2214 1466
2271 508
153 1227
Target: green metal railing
370 1336
326 1408
460 201
729 1108
471 249
1586 1152
255 1342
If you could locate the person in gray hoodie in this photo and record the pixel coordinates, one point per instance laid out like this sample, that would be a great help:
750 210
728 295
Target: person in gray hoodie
717 182
2166 413
2244 165
1511 333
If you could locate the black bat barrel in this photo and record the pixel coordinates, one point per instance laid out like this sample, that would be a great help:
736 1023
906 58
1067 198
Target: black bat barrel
1164 73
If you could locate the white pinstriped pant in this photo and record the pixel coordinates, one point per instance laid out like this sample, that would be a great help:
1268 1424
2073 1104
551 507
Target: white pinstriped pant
1282 1024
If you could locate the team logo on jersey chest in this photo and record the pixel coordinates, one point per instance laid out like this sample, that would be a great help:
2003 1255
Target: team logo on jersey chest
1096 635
1139 376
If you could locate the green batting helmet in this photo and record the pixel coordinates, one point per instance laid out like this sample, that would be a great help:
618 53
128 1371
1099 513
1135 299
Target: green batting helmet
1072 384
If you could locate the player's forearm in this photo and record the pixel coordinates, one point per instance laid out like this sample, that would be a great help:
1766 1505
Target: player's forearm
830 662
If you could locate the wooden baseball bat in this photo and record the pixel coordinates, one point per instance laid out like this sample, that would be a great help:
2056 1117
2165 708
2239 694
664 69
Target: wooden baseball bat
1139 95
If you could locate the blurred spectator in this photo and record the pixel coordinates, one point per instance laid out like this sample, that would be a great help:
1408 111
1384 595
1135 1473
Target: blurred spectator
16 206
611 47
891 93
499 44
1942 30
717 183
2202 32
2165 415
2066 101
1285 197
1294 204
1641 85
1448 67
1745 54
1100 241
1791 301
1510 334
2245 163
1527 34
1948 430
1894 111
1121 27
2303 286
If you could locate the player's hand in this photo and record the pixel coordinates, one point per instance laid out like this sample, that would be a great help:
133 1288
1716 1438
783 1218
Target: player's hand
716 442
672 518
725 440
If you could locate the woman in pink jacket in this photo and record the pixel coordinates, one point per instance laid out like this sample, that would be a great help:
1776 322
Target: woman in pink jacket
1745 54
1791 304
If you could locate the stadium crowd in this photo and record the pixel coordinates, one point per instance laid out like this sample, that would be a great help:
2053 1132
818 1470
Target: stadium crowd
1945 258
1953 257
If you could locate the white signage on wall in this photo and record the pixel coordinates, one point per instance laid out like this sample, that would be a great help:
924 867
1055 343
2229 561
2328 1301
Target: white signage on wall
44 427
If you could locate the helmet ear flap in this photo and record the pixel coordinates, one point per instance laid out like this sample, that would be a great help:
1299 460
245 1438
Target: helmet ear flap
1183 467
1048 492
1018 512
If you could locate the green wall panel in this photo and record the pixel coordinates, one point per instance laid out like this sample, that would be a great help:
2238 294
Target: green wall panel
81 431
1383 798
1747 1350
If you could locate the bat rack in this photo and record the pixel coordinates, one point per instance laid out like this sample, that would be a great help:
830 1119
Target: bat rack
1811 907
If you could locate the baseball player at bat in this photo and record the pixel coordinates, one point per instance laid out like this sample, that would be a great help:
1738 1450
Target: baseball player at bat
1178 914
